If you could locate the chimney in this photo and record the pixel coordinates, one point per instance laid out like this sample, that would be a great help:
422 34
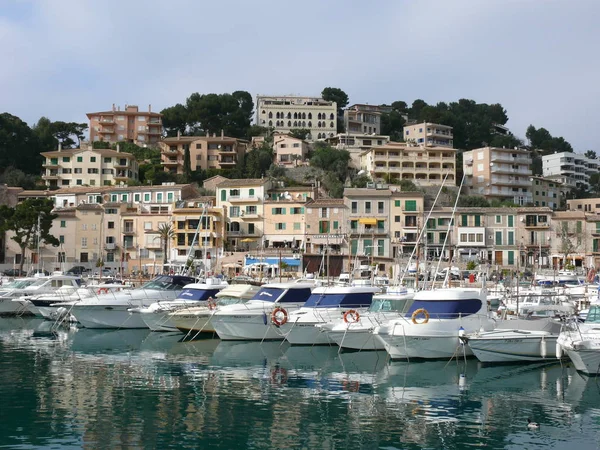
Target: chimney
214 135
150 108
207 134
222 133
113 107
178 134
119 108
59 146
118 147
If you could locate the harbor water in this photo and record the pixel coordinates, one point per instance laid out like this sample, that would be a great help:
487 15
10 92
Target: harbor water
81 388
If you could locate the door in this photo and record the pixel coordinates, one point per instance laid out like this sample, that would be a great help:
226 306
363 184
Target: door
498 258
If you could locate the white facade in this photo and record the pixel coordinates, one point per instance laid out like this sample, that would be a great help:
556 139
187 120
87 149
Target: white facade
287 113
571 169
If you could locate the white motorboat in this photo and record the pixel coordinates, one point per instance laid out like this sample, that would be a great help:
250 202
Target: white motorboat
197 319
13 290
252 320
581 342
357 334
157 315
519 340
51 306
325 305
111 310
67 284
434 322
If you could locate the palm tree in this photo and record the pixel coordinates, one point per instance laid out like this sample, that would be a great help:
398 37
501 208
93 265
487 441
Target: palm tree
166 234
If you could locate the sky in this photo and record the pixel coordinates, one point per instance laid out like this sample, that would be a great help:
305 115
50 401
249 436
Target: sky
538 58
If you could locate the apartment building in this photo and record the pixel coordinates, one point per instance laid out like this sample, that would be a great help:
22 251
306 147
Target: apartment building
572 238
198 233
284 225
130 125
286 113
588 205
429 134
117 225
362 118
88 167
502 174
406 222
396 161
243 205
289 151
206 152
439 234
356 144
369 225
571 169
546 192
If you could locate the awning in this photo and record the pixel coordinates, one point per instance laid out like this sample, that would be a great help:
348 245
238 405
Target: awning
248 240
367 221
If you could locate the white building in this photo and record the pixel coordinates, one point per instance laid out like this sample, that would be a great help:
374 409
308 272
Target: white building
287 113
429 134
571 169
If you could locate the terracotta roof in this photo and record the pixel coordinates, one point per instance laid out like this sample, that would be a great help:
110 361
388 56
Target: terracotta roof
198 138
101 189
89 206
366 192
243 182
101 151
326 202
124 113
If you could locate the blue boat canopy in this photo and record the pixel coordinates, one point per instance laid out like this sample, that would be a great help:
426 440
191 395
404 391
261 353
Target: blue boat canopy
447 309
291 296
350 300
198 294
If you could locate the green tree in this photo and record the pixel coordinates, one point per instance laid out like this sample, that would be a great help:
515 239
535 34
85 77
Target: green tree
392 125
541 140
20 147
299 133
258 161
332 94
18 178
45 134
100 145
65 132
212 113
29 221
187 164
175 119
166 233
473 201
331 160
591 154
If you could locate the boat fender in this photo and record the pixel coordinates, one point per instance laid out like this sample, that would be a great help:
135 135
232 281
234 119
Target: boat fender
543 351
102 291
212 303
559 351
351 316
461 333
279 316
418 312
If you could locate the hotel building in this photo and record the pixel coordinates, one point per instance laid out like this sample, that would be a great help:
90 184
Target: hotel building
130 125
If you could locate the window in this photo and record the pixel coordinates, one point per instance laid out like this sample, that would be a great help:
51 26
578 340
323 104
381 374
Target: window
107 160
92 159
511 238
147 225
324 226
278 211
159 197
353 246
84 242
397 203
296 210
397 219
477 220
63 223
251 228
111 225
223 195
367 207
368 246
498 237
511 220
136 197
354 224
498 219
234 211
410 205
84 226
297 226
198 146
280 226
380 247
61 239
354 207
66 159
83 257
380 208
79 182
80 159
251 210
464 220
147 197
251 192
511 257
124 198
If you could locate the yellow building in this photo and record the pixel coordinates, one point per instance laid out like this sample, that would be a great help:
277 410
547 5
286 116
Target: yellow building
129 125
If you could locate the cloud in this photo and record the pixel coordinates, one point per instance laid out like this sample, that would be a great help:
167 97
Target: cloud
65 58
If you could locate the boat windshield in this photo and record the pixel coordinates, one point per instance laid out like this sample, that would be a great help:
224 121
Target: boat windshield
355 300
223 301
594 315
168 283
382 305
18 284
198 294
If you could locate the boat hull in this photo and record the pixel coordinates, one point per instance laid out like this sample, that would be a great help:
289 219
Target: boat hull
193 323
12 307
513 349
438 346
102 316
585 361
246 326
356 340
306 333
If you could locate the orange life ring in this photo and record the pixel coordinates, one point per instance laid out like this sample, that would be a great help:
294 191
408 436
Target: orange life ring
351 316
279 316
212 303
102 291
417 313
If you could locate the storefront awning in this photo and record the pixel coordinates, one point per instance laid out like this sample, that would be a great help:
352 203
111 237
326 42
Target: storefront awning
367 221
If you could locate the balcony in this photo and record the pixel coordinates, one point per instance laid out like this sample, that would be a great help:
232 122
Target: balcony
536 225
51 176
120 165
510 181
240 199
51 164
228 162
107 120
106 130
111 246
509 170
172 162
120 176
507 157
251 216
128 230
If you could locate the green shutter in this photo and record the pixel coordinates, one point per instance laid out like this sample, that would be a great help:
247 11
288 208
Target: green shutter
579 226
410 205
251 192
440 221
380 247
302 210
477 220
335 224
431 224
273 211
353 246
223 195
283 211
597 227
595 245
464 220
498 237
368 246
511 221
511 238
511 257
397 203
380 224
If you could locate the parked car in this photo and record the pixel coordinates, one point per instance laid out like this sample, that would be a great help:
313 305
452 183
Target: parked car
77 270
14 273
34 272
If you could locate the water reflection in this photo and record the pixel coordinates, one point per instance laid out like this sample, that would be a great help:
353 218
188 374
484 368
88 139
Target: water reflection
134 388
